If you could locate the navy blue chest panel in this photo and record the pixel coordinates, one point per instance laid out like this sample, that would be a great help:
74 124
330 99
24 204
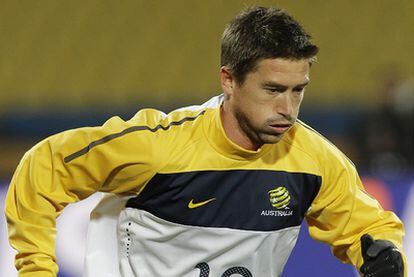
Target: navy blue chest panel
259 200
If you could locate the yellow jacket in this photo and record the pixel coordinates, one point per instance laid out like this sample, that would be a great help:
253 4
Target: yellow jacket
145 155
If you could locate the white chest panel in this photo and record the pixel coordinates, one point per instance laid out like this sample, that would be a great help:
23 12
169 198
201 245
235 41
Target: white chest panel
150 246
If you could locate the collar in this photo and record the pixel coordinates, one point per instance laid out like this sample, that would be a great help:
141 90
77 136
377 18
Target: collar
216 136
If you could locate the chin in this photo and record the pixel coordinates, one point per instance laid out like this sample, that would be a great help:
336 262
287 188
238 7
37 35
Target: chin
271 139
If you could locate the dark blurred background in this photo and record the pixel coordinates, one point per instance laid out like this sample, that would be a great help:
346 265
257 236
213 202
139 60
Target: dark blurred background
67 64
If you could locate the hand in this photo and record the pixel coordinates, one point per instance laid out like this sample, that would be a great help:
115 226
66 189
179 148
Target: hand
381 258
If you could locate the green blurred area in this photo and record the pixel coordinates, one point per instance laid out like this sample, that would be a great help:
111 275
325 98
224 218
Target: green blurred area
97 52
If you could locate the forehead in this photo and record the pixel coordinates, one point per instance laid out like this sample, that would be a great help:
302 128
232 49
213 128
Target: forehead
284 71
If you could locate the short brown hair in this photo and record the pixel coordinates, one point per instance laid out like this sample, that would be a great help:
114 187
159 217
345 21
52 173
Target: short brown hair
260 33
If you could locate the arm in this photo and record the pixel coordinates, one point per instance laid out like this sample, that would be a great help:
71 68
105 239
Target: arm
66 168
343 212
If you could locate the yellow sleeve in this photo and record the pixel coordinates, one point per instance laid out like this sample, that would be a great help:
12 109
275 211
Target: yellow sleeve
117 157
342 212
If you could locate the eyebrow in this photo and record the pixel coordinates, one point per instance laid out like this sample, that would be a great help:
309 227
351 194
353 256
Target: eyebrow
277 85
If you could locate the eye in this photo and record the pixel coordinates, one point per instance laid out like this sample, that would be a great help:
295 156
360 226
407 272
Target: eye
275 90
299 90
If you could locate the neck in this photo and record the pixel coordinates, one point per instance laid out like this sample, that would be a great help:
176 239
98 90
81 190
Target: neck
233 129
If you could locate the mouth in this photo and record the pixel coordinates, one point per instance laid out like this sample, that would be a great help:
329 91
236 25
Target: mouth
280 128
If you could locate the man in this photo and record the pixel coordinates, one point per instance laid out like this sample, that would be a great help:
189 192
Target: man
218 191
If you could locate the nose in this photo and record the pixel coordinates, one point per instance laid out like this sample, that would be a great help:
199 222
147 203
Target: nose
284 105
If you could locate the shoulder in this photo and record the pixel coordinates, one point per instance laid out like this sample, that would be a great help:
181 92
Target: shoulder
157 120
170 133
314 144
154 117
336 169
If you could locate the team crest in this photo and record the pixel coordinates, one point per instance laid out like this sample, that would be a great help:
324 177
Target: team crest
279 197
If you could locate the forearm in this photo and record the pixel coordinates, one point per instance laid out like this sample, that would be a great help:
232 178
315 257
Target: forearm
31 218
35 245
36 265
35 198
344 212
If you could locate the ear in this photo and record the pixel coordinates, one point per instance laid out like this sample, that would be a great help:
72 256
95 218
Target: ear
227 81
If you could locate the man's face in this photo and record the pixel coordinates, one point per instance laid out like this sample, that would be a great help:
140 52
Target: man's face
267 104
